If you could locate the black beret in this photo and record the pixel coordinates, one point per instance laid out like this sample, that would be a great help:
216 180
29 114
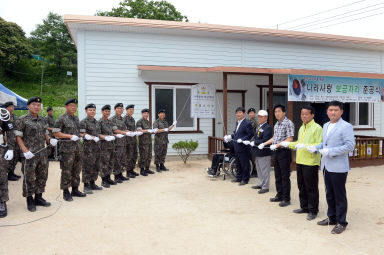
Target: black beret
240 109
90 106
49 108
251 110
145 110
69 101
33 100
161 111
130 106
106 107
6 104
119 105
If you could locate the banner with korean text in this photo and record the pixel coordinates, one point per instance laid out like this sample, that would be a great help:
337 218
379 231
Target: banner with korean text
203 104
328 88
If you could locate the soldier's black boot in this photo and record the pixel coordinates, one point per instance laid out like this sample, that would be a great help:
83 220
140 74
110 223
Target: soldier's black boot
117 179
94 186
130 174
162 167
143 172
40 201
31 204
158 168
12 177
149 171
67 196
110 181
133 171
3 209
87 188
77 193
104 182
122 177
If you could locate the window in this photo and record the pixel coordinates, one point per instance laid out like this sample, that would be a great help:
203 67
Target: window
359 114
176 100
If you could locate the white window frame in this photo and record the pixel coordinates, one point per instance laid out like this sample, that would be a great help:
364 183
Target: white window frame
370 115
265 97
154 113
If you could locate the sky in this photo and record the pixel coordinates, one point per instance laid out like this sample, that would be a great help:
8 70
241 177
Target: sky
300 15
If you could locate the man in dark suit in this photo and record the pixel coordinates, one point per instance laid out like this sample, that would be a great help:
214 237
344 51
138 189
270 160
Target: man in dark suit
243 132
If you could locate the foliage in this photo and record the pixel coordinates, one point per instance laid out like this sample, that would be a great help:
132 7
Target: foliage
185 148
14 45
52 41
144 9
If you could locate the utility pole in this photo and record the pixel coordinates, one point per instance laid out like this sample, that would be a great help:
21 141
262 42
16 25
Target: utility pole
42 79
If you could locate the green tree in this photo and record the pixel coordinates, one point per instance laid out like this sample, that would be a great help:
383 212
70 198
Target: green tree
52 41
144 9
185 148
13 45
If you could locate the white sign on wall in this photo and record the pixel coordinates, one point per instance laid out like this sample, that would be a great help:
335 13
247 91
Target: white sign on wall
203 104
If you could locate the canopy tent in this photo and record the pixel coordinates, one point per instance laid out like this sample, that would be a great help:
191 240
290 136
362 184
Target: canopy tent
7 95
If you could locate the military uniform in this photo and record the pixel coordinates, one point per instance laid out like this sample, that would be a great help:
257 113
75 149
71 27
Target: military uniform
91 150
106 148
16 152
161 142
145 144
32 130
50 122
255 126
120 143
69 151
131 146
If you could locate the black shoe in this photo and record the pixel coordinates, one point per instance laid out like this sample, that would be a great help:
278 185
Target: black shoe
311 216
212 172
3 209
243 183
235 180
87 188
104 182
31 204
326 222
12 177
284 203
117 179
134 172
162 167
149 171
40 201
262 191
256 187
275 199
110 181
338 229
130 174
158 168
143 172
123 178
301 210
94 186
76 193
67 196
17 176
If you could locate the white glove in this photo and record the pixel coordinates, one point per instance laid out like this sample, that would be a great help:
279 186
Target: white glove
53 142
239 140
300 146
8 155
252 144
165 129
28 155
155 130
119 136
261 146
96 139
174 123
285 144
139 133
246 142
109 138
273 147
74 138
324 152
88 137
130 134
311 148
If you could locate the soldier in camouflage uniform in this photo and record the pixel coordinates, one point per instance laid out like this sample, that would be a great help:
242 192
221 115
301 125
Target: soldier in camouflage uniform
120 131
16 152
255 125
106 147
131 144
7 148
161 140
145 143
90 130
67 128
31 135
50 121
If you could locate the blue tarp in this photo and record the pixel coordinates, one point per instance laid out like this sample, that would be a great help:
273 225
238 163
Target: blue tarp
7 95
